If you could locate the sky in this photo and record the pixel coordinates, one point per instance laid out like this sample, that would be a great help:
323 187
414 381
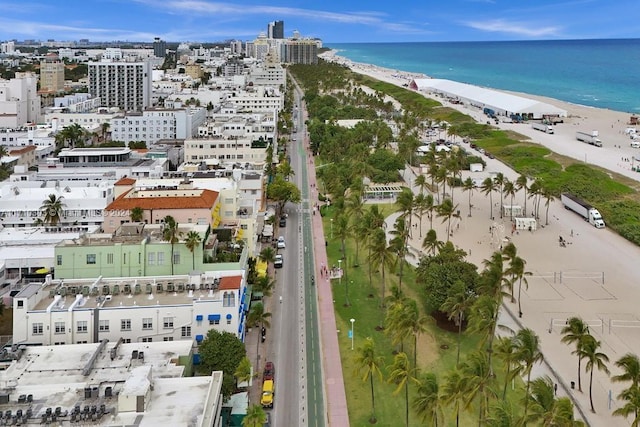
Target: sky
334 21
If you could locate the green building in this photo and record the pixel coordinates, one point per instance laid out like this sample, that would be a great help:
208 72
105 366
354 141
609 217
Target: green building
138 250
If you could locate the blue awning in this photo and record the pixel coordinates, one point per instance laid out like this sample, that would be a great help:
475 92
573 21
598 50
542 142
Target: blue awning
229 316
199 338
213 317
199 318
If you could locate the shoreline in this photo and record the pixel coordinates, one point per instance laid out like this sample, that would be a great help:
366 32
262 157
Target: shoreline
616 154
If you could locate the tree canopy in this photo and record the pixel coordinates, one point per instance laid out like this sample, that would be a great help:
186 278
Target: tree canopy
222 351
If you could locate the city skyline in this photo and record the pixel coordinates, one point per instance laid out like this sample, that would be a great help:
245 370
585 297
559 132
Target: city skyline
331 21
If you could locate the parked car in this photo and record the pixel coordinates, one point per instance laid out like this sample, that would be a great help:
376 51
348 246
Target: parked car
281 244
283 221
268 372
279 261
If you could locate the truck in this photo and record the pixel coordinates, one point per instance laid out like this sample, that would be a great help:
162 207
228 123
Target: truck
542 127
582 208
589 138
268 392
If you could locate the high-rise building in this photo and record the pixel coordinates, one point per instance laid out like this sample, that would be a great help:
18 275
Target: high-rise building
51 74
159 48
275 30
126 85
301 51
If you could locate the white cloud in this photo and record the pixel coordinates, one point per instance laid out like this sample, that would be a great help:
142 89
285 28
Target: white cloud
517 28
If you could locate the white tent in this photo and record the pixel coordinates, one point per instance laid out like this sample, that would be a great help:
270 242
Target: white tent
529 224
502 103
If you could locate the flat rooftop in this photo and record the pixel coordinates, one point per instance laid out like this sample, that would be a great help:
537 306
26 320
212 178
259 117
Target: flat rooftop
53 376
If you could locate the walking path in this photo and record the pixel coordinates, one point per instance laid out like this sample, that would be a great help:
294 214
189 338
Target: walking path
335 396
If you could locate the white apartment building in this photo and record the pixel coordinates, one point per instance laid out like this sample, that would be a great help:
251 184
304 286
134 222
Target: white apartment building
136 309
109 384
270 73
75 103
90 121
19 101
260 99
8 47
126 85
21 202
155 124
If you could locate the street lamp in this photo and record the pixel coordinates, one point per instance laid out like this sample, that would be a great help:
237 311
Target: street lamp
340 272
331 228
352 322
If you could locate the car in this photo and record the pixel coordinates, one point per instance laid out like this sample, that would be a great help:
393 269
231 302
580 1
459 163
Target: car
278 262
283 221
267 422
281 244
268 372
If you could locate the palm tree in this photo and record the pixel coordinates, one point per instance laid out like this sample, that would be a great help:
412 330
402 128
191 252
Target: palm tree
3 152
136 214
405 205
342 231
468 185
267 254
528 354
488 187
446 210
575 333
415 323
483 320
506 350
171 234
478 377
381 256
400 373
258 316
431 242
255 417
421 183
399 245
454 391
356 210
500 181
595 360
550 195
368 365
52 207
510 191
243 374
501 414
429 207
104 127
630 365
456 305
543 402
631 396
265 285
521 184
192 241
427 402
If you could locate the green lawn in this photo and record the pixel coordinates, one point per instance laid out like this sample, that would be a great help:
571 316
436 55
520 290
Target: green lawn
436 348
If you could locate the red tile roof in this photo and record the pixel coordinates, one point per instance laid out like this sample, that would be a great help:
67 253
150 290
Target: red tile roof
19 151
206 200
230 282
125 181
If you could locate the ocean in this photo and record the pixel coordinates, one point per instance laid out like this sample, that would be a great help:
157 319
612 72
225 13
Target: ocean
597 73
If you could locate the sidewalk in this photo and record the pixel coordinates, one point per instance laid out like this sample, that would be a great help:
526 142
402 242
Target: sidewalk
335 396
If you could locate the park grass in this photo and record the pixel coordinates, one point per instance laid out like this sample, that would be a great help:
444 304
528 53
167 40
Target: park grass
436 347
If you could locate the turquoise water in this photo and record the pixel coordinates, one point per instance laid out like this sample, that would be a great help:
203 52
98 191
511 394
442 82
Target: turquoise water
597 73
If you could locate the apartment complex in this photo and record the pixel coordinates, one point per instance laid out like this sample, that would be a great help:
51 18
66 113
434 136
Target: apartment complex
301 51
19 101
134 309
126 85
155 124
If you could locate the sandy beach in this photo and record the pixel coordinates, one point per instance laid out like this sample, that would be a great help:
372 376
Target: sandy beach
592 276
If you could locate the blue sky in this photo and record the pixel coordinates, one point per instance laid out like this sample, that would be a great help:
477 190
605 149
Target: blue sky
331 20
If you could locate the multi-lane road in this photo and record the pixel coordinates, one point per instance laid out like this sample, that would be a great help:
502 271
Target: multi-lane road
299 398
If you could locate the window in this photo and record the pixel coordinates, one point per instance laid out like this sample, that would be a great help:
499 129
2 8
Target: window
91 258
167 339
20 303
151 258
81 326
58 259
228 319
103 326
186 331
229 299
160 258
167 323
109 258
59 327
126 340
176 258
147 339
37 329
147 323
81 342
125 324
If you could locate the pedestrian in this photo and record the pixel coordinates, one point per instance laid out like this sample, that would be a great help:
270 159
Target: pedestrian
571 232
555 389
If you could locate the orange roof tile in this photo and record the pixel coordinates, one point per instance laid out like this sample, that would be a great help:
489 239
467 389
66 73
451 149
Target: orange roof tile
230 282
19 151
206 200
125 181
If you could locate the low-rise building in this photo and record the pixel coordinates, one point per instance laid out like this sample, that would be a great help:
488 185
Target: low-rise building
155 124
134 309
109 383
